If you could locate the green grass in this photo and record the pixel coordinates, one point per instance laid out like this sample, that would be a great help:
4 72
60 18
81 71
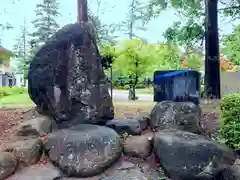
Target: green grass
144 91
17 99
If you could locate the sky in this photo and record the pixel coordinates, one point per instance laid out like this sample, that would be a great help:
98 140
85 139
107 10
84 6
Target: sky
115 11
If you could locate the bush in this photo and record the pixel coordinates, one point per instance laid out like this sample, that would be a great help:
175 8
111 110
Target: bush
230 120
126 87
8 91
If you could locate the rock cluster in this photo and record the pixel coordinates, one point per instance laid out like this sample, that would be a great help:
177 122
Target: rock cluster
82 140
92 152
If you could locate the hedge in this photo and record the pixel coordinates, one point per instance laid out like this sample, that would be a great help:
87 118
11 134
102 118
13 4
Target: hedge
230 120
8 91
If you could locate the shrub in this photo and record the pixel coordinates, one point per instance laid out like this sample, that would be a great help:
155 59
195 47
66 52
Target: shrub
8 91
126 87
230 120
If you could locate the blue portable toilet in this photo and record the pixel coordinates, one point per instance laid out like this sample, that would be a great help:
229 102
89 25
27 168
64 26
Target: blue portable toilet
177 85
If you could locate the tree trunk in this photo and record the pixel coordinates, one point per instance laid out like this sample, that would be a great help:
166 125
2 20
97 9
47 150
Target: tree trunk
82 11
212 69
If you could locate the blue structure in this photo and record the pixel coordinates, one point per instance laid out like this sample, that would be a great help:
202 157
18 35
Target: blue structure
177 85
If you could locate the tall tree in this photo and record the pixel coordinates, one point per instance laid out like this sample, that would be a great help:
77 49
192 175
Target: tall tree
45 22
189 31
136 19
23 51
104 32
231 46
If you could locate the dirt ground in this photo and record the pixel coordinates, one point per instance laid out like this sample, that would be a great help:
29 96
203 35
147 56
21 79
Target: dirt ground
10 118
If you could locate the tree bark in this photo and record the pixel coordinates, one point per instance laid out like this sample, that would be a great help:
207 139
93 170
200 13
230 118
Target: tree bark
212 65
82 11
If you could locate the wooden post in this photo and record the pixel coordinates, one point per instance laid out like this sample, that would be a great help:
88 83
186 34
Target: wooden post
82 11
212 63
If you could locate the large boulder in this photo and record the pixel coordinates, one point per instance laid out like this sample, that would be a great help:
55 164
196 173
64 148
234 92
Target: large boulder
66 78
83 150
8 165
188 156
180 115
43 172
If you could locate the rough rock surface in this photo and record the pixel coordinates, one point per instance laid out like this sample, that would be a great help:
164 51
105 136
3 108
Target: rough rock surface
185 155
39 126
8 165
66 79
83 150
231 173
125 125
46 172
27 152
143 119
138 146
180 115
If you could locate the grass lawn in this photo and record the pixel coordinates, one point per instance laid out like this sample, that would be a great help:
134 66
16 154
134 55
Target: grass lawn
17 99
144 91
121 107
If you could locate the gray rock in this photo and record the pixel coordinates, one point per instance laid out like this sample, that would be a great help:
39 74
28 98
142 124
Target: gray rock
8 164
180 115
39 126
143 119
133 174
138 146
188 156
84 150
125 125
231 173
43 172
27 152
66 79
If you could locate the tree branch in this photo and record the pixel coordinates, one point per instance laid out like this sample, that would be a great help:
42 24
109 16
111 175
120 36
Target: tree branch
227 8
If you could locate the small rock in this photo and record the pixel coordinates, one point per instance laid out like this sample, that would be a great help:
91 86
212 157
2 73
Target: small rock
137 146
152 173
8 165
39 126
122 126
43 172
27 152
84 150
184 116
185 155
135 174
125 165
87 178
143 119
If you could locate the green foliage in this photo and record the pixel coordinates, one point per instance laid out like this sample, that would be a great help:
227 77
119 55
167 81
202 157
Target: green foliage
45 22
230 120
189 30
231 46
193 61
103 31
136 19
134 60
126 87
8 91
